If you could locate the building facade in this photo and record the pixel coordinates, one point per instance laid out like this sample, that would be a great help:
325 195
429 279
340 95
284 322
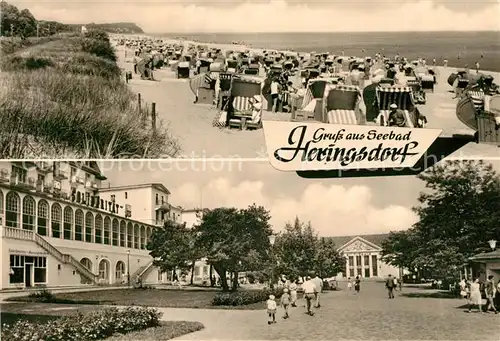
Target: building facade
60 228
150 201
363 256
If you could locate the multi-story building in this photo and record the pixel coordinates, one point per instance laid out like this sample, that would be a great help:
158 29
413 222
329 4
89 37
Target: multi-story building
150 201
60 228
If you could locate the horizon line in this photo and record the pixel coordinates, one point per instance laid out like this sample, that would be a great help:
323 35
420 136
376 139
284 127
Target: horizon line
302 32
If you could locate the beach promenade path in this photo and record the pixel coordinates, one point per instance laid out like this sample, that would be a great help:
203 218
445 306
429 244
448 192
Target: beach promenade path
192 123
343 316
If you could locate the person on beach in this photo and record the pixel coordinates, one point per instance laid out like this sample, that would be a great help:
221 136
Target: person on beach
271 309
285 302
275 91
397 117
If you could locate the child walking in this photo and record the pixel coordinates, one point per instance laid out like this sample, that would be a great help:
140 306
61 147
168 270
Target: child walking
285 302
271 309
349 284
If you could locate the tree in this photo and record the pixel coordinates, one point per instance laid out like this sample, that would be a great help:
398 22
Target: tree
295 249
172 247
234 239
456 218
9 17
299 251
328 262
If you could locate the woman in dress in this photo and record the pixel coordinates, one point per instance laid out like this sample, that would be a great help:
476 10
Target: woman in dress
293 293
475 295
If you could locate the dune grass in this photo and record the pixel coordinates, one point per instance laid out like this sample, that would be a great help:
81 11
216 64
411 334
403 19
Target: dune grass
66 98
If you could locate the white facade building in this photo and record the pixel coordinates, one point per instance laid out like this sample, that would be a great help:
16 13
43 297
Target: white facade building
363 255
60 228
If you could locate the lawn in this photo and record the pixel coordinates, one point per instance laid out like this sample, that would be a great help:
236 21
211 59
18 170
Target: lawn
166 331
11 318
170 298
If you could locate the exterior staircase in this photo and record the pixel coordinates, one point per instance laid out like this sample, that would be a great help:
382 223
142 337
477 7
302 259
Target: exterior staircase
141 272
17 233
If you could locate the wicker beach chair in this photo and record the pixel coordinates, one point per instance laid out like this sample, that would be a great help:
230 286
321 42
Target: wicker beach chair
342 105
402 96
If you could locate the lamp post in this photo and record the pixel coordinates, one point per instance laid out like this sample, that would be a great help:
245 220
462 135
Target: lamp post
493 244
272 239
128 268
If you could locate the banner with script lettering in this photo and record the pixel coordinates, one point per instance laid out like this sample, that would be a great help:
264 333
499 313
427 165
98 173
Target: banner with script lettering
295 146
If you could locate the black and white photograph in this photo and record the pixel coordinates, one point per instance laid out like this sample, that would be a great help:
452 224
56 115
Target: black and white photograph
239 251
249 170
195 79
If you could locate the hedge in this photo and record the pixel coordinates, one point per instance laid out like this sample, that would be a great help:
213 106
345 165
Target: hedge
239 298
94 326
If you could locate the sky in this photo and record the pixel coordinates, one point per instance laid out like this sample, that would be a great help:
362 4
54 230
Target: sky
335 207
186 16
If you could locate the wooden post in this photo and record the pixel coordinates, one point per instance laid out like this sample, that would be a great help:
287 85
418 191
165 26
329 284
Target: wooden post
153 116
139 102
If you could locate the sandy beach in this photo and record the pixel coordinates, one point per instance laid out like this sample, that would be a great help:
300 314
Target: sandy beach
192 123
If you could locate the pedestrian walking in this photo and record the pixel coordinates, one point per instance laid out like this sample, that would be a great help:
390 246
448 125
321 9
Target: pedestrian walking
490 290
285 302
293 293
475 295
357 284
390 284
349 284
271 309
465 292
309 294
318 282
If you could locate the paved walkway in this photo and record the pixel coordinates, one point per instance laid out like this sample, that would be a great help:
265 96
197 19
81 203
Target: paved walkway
343 316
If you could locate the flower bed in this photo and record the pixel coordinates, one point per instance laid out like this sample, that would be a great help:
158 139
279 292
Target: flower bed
93 326
239 298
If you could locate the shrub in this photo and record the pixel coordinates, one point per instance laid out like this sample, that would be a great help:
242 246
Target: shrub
97 35
239 298
93 326
99 48
43 295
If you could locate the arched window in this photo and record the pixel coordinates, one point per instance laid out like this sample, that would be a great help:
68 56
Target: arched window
123 233
86 263
89 226
29 213
115 232
43 217
12 210
130 233
98 229
79 225
107 228
104 271
148 235
120 273
56 218
136 236
143 237
68 223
